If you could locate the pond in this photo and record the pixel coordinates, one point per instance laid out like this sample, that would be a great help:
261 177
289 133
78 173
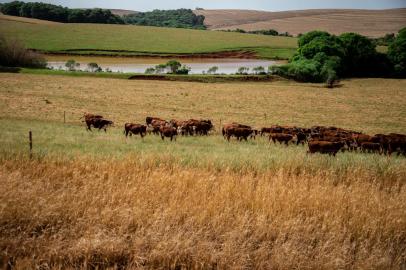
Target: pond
139 65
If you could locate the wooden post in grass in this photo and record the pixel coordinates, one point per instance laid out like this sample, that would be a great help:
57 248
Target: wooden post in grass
64 117
220 127
30 138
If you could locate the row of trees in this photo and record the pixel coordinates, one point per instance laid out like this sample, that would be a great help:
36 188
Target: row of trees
269 32
56 13
175 67
325 57
180 18
171 67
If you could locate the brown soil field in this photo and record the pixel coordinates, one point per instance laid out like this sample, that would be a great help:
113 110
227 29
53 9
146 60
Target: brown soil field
373 23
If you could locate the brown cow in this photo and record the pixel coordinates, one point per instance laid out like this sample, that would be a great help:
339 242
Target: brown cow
281 138
149 119
265 130
99 123
135 129
169 132
369 147
88 116
90 119
324 147
232 125
239 133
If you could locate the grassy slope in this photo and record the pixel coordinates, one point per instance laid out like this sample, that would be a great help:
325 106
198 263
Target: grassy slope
101 199
139 39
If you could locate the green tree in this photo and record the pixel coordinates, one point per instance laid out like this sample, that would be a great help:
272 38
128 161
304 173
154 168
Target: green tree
308 37
71 65
259 70
243 71
397 53
94 67
150 70
12 8
184 70
174 66
160 68
212 70
359 52
180 18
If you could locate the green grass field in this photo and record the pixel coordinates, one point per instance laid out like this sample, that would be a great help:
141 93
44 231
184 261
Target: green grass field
139 40
165 77
365 105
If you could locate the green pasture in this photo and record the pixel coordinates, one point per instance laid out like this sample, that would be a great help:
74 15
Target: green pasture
141 40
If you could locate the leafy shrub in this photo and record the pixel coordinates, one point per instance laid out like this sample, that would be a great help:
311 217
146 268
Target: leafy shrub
184 70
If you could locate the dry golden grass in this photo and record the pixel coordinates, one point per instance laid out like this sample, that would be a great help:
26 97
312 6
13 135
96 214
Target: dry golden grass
26 20
373 23
142 214
91 200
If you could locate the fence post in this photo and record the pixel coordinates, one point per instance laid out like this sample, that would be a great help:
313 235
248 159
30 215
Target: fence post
64 117
220 127
30 138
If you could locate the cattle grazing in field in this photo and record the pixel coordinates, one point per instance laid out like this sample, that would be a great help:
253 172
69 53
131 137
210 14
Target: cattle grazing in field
231 126
324 147
193 127
97 121
370 147
320 139
101 124
281 138
149 119
135 129
169 132
265 130
240 133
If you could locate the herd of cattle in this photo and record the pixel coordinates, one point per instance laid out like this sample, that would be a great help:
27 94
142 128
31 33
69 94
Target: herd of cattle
320 139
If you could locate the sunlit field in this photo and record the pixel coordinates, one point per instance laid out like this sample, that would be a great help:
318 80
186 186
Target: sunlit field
96 199
138 40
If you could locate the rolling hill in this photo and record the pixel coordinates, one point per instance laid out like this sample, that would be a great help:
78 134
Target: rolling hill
122 12
130 40
373 23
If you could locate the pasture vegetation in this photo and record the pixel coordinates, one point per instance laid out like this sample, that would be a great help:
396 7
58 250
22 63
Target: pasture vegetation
98 199
140 40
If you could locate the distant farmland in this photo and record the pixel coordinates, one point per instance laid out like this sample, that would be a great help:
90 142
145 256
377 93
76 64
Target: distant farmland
373 23
139 40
